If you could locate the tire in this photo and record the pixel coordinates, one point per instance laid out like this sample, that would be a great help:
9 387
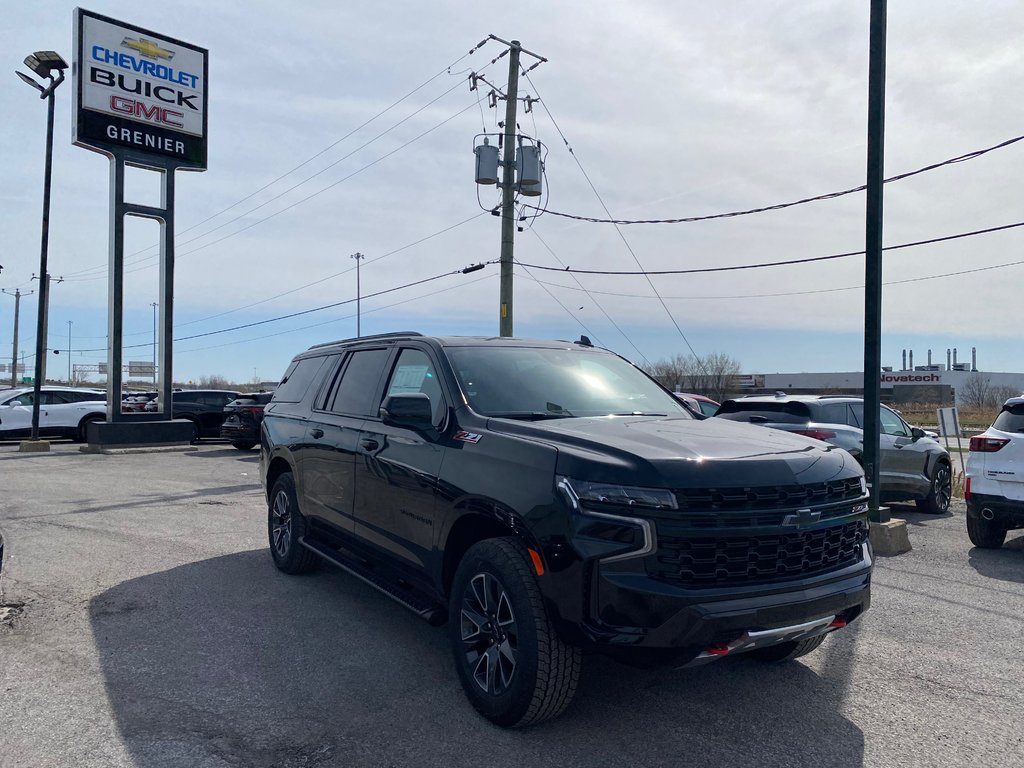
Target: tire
285 526
195 433
940 492
987 534
514 668
81 436
243 445
781 652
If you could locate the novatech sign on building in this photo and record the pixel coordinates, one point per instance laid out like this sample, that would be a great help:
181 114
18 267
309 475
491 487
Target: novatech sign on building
139 92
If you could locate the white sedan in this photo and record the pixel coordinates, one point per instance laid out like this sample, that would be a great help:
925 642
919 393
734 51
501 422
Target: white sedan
63 411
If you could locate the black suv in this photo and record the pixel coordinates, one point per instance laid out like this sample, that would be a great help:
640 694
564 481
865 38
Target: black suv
242 419
912 466
548 497
203 407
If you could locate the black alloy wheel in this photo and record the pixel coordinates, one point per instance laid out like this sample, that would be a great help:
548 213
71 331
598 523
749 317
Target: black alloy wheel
490 636
940 492
285 526
515 669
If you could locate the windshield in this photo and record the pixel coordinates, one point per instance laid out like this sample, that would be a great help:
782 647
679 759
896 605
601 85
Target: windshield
534 382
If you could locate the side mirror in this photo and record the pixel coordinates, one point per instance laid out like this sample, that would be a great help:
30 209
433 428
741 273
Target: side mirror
15 402
916 432
409 409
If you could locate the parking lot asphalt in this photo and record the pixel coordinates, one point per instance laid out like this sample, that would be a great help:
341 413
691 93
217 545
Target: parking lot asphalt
146 626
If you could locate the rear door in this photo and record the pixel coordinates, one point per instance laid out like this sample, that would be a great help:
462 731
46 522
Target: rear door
332 439
397 468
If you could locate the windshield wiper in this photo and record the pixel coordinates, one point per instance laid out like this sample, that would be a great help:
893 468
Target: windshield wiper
638 413
529 415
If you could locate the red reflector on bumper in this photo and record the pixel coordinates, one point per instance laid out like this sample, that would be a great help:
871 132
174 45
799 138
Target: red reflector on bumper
838 622
718 649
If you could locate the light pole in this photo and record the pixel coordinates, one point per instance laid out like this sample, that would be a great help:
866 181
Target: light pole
154 305
358 257
43 64
70 382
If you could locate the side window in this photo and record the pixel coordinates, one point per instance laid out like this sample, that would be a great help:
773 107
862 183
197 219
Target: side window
857 412
355 393
415 373
892 424
52 398
25 398
297 379
834 413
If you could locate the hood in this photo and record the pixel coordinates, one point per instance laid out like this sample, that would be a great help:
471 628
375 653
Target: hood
678 453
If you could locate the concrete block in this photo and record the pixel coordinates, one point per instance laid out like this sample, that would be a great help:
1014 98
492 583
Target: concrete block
137 433
34 446
890 537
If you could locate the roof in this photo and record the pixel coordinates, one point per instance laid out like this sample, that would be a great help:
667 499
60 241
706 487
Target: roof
781 398
461 341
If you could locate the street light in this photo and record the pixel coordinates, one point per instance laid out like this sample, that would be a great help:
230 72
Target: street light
44 64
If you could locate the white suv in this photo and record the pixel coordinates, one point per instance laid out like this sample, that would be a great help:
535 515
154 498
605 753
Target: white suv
63 411
995 478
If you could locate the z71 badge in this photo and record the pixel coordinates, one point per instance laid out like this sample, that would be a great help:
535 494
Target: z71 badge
467 437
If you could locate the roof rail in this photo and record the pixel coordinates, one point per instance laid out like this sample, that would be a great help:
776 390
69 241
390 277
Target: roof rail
375 337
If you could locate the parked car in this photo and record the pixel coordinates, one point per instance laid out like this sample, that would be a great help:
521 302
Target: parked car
244 416
63 411
912 466
203 407
995 478
135 402
699 404
546 497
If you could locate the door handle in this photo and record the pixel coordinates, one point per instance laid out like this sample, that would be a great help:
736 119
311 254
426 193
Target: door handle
369 444
316 433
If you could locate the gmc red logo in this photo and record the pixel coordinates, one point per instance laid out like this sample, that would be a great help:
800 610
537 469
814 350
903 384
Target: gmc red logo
155 113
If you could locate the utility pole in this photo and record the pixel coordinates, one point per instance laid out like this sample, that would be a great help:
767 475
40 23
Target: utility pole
70 382
14 352
358 257
508 193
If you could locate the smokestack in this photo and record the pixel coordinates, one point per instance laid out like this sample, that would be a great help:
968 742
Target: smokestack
911 361
974 358
929 357
904 361
948 366
954 355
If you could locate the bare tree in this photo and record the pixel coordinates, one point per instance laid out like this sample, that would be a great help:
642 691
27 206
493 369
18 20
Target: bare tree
213 381
978 392
712 375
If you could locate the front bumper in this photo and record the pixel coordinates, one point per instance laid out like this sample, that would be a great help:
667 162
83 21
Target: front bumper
1008 512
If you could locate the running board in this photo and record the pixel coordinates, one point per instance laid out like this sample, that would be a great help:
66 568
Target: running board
415 600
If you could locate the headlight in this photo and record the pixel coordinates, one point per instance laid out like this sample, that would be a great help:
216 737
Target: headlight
609 535
609 495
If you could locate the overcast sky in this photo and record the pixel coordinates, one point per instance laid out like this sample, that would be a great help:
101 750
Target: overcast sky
672 109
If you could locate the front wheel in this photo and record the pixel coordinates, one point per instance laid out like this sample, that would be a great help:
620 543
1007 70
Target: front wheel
987 534
514 668
243 445
940 492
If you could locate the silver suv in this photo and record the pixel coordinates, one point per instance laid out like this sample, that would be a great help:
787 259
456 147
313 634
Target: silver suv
913 466
995 478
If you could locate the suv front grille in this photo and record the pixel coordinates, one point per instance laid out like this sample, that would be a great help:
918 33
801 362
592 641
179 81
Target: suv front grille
728 560
768 497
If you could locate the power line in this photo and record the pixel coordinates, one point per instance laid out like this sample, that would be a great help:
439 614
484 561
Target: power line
779 206
567 310
330 146
705 296
295 314
617 228
762 265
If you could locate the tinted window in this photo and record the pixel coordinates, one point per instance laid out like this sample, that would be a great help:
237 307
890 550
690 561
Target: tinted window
217 399
834 413
892 424
415 373
355 393
779 412
185 397
1010 419
297 379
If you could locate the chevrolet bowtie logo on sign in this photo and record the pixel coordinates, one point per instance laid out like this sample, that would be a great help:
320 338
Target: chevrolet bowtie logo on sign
147 48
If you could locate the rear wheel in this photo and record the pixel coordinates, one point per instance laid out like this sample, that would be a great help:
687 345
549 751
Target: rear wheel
285 526
780 652
940 492
83 428
243 445
195 433
514 668
987 534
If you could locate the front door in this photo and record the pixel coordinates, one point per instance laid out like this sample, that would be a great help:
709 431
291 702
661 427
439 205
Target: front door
397 470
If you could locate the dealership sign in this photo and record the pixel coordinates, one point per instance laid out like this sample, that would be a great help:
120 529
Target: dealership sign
139 93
